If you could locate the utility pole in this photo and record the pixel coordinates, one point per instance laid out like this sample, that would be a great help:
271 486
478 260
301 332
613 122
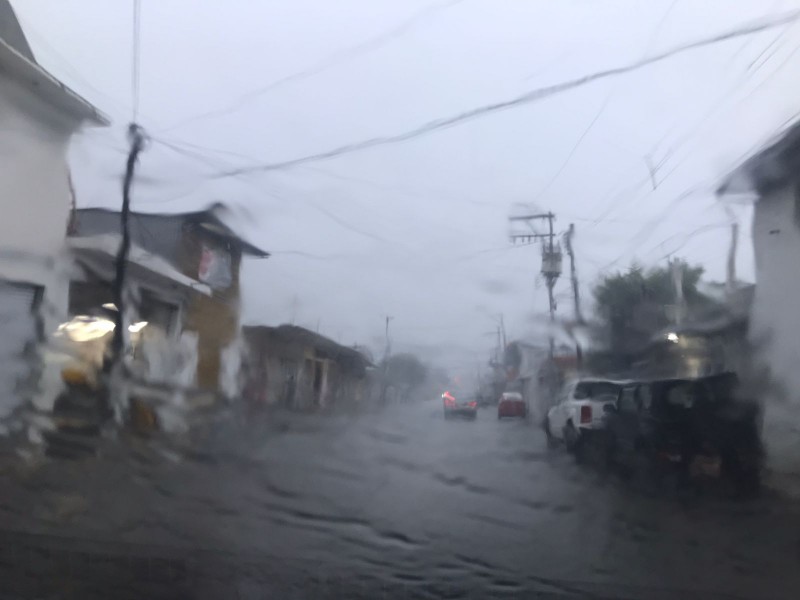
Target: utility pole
576 298
573 273
386 354
676 269
551 259
388 319
731 270
503 329
137 140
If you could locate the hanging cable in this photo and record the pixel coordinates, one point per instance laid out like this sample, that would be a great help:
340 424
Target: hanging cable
135 59
331 61
526 98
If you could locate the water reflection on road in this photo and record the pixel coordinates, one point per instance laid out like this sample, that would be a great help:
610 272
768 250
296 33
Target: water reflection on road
405 496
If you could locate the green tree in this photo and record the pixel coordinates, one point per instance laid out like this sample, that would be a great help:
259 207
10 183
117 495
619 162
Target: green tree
633 306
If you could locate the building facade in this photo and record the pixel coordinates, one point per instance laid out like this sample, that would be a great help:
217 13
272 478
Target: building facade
297 368
38 117
202 247
771 179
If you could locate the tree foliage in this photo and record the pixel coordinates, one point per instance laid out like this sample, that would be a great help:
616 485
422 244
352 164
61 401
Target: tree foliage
405 371
635 305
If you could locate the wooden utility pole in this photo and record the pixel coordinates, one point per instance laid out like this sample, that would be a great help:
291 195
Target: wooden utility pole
676 270
731 270
551 259
137 139
386 354
576 298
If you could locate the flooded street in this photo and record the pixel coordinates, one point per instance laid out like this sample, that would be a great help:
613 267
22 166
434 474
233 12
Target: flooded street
399 498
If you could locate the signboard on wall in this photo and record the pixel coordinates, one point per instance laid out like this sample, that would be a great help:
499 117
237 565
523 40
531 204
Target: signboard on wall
215 268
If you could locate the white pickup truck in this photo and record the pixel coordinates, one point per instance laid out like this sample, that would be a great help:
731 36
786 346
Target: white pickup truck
579 410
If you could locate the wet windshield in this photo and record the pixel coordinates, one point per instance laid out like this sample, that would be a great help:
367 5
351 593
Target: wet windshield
335 299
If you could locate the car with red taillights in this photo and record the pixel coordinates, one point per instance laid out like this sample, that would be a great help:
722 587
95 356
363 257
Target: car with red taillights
579 411
512 404
454 408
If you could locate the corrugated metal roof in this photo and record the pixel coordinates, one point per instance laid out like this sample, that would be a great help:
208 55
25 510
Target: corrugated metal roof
103 220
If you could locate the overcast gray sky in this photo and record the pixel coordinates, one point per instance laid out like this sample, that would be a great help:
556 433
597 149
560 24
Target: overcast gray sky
419 230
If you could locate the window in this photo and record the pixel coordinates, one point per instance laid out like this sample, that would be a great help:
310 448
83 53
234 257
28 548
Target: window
627 401
645 397
596 390
157 312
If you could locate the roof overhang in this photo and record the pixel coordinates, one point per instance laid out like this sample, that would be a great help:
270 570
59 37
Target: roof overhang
43 84
98 254
776 164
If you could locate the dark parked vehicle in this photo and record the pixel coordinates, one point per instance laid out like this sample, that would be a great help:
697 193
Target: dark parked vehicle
454 408
690 428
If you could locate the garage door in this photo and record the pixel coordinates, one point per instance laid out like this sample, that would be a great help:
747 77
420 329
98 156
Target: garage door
19 334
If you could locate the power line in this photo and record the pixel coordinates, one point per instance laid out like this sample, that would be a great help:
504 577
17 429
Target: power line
636 240
574 148
715 108
135 58
337 58
527 98
691 235
688 236
659 26
602 108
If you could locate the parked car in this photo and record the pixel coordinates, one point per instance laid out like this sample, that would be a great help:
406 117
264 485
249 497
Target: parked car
511 404
454 408
578 412
692 429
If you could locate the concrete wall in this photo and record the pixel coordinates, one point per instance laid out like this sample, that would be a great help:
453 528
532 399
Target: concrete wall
36 196
775 321
276 369
214 318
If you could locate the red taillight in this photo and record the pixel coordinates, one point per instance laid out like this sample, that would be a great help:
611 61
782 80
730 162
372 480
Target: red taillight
473 404
586 414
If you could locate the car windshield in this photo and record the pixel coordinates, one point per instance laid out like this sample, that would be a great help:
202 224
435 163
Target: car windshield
336 298
596 390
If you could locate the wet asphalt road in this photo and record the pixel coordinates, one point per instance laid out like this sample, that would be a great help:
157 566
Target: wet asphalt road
400 501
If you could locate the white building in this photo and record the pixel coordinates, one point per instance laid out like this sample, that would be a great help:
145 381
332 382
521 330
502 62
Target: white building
771 178
38 116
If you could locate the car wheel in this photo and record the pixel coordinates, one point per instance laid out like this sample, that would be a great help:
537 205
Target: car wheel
607 453
581 447
571 437
650 476
552 442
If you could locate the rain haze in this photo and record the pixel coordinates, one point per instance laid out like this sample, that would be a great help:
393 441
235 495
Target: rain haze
399 298
418 230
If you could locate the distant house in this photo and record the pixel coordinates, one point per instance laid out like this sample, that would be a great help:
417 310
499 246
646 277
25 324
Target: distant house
297 368
201 247
38 117
710 341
